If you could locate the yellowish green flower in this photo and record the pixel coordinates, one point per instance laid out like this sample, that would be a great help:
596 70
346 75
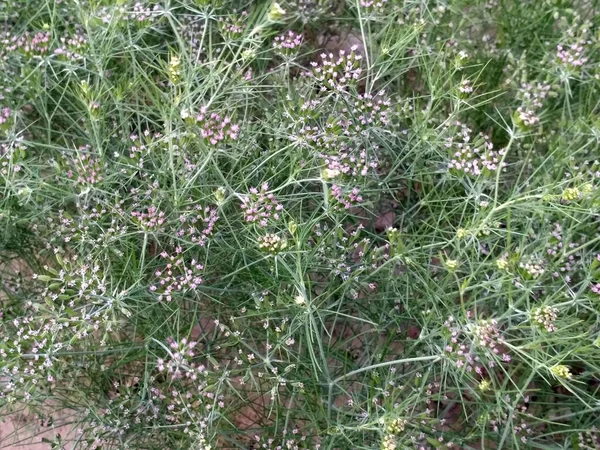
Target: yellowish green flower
451 264
461 233
389 442
502 263
484 386
276 12
272 243
562 371
329 174
174 69
220 194
571 194
396 426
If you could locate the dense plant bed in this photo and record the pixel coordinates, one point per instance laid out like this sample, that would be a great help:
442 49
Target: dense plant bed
302 225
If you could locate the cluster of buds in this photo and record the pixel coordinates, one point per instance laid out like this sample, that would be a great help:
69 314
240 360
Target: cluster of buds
532 268
338 73
214 128
545 316
396 426
29 43
198 224
233 27
176 277
151 219
571 195
389 442
87 170
179 364
572 55
347 163
475 157
346 200
561 371
260 206
272 243
174 69
141 144
369 111
72 47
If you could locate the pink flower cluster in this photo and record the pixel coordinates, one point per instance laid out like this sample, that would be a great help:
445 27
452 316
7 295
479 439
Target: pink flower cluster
5 114
369 111
7 150
143 13
260 206
373 5
484 336
179 364
337 73
596 288
198 224
151 219
233 26
88 170
288 43
473 158
29 43
527 116
571 56
348 163
71 47
215 129
532 97
488 336
520 426
344 199
534 94
465 87
176 277
141 144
